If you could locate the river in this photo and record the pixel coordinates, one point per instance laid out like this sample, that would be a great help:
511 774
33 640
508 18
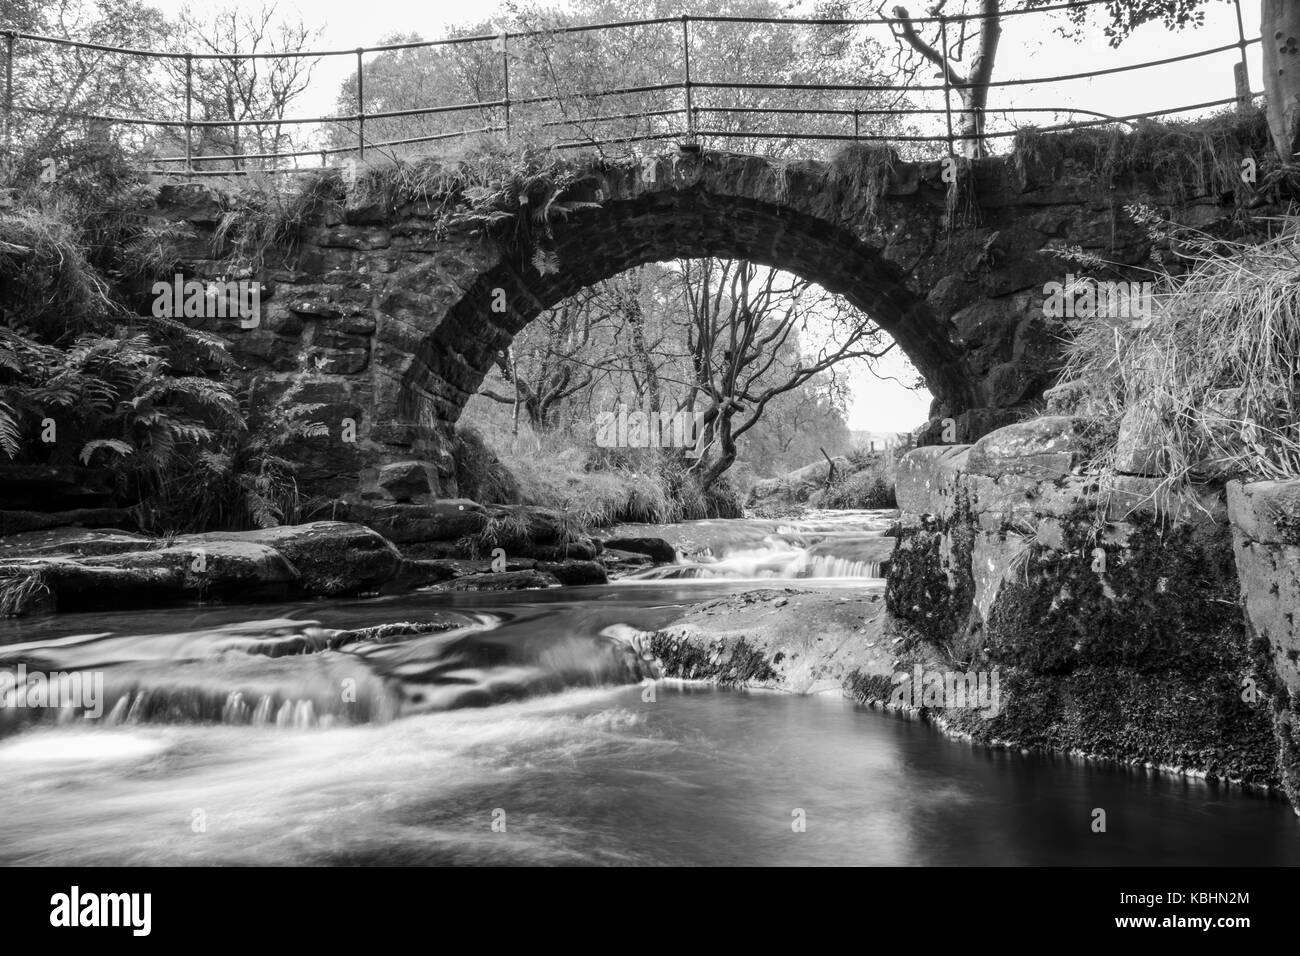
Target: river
525 729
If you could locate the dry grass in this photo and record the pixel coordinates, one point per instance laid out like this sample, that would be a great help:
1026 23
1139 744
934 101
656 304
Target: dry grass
1211 379
20 589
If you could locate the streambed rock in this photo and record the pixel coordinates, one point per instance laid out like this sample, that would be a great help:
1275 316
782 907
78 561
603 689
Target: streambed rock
795 640
574 572
332 558
239 570
657 549
66 569
71 542
504 581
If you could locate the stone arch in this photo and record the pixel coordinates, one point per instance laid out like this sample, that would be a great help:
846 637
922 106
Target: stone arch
453 358
796 218
386 315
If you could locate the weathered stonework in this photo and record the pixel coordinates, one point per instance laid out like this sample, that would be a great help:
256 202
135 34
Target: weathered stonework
1117 635
391 319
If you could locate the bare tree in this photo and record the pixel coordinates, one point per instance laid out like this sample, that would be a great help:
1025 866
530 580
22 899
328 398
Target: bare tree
258 91
748 339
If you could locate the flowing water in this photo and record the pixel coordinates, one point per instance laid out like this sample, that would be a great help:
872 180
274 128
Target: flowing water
523 728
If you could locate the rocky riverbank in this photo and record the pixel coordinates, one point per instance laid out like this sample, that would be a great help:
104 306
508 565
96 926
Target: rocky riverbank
75 569
1080 620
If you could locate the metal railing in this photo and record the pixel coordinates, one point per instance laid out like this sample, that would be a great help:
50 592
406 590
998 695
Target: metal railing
681 120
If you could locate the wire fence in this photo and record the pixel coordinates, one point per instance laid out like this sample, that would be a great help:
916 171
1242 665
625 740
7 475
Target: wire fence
599 86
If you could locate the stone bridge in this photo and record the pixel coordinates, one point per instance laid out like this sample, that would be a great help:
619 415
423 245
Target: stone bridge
388 320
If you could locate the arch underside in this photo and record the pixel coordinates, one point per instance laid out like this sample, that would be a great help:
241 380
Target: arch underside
453 359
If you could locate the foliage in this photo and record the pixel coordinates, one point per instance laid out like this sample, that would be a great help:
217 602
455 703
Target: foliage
83 379
860 490
137 394
559 73
243 478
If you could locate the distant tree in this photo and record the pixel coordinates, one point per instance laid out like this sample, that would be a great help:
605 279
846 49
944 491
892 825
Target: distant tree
749 337
982 33
425 76
56 86
261 90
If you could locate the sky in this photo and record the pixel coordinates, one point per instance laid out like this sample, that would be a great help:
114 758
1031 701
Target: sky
1028 49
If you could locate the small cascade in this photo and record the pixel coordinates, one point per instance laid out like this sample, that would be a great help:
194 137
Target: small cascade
235 711
851 545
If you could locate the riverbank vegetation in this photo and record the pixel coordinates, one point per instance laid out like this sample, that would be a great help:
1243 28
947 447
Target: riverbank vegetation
1207 387
89 378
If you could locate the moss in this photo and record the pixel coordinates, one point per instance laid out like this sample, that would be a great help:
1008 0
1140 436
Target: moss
1169 719
1197 157
930 585
1166 602
727 662
868 688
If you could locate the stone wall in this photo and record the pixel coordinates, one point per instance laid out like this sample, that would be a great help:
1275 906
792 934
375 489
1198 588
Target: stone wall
1117 634
1266 540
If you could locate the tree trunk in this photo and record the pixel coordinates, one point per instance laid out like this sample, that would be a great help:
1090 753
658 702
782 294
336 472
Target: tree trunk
1279 27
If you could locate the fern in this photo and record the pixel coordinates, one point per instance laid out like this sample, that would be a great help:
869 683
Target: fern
112 444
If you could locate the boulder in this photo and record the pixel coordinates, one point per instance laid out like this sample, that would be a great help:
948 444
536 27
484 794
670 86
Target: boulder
331 557
225 570
1042 448
422 572
618 561
926 479
657 549
574 572
505 581
405 480
70 542
446 520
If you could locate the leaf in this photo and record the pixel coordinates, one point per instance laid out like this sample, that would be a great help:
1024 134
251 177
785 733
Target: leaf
112 444
546 262
9 434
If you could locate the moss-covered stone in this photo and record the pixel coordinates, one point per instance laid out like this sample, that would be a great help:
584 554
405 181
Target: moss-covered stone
930 585
1165 602
727 662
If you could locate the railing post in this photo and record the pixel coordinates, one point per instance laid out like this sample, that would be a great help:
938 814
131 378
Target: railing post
361 108
947 86
189 115
10 39
856 134
1241 70
505 76
686 60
